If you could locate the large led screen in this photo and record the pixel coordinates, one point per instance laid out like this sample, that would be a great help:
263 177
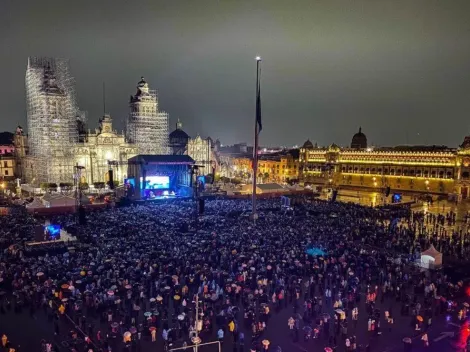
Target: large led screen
155 182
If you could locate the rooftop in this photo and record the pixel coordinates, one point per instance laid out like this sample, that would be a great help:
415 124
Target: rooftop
162 159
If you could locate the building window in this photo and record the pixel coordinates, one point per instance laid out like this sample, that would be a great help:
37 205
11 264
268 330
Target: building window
6 172
5 163
449 174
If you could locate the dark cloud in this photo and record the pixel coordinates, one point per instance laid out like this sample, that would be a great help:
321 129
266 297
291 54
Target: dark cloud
397 68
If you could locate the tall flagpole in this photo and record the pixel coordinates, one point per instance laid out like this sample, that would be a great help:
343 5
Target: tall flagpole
257 126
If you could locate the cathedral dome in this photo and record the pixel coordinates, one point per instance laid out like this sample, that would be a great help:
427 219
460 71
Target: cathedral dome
359 140
179 133
308 144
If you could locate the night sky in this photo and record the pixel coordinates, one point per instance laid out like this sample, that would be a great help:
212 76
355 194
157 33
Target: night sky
399 69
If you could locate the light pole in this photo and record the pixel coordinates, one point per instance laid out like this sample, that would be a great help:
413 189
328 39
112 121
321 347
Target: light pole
78 193
257 131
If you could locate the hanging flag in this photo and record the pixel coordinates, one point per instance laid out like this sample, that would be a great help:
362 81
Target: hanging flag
258 101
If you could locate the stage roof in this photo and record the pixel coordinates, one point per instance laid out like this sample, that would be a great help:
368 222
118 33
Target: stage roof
162 159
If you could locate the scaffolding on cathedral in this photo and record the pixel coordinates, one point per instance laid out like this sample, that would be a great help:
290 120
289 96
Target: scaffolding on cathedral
147 127
52 124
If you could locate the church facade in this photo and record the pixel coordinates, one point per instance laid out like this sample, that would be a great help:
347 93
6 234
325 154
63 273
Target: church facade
103 150
58 149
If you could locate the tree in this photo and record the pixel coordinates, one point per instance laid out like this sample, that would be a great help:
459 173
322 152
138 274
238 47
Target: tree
266 176
84 186
65 186
44 186
99 185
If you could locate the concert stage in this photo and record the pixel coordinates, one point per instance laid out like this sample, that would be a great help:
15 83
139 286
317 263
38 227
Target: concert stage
159 177
49 236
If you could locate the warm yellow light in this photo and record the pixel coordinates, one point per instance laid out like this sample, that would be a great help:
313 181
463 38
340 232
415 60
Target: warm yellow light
375 184
374 178
426 182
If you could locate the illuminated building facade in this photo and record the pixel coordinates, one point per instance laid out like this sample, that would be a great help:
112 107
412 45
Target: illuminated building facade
57 140
420 169
147 127
276 167
103 150
202 150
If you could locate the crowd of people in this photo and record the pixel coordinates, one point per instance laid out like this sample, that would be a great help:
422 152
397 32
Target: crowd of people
154 274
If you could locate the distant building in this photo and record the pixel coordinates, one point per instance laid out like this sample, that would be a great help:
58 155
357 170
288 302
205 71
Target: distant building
275 167
359 140
102 150
179 140
202 150
417 169
51 113
58 140
147 127
7 156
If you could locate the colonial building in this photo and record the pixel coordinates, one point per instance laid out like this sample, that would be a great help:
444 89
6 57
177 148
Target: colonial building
276 167
51 113
58 142
421 169
147 127
102 150
179 140
202 150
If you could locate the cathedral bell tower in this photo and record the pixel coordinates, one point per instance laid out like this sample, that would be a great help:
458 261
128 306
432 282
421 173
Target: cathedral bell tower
106 124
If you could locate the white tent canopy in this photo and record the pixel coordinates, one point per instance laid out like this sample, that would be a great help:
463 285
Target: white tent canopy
36 203
431 258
